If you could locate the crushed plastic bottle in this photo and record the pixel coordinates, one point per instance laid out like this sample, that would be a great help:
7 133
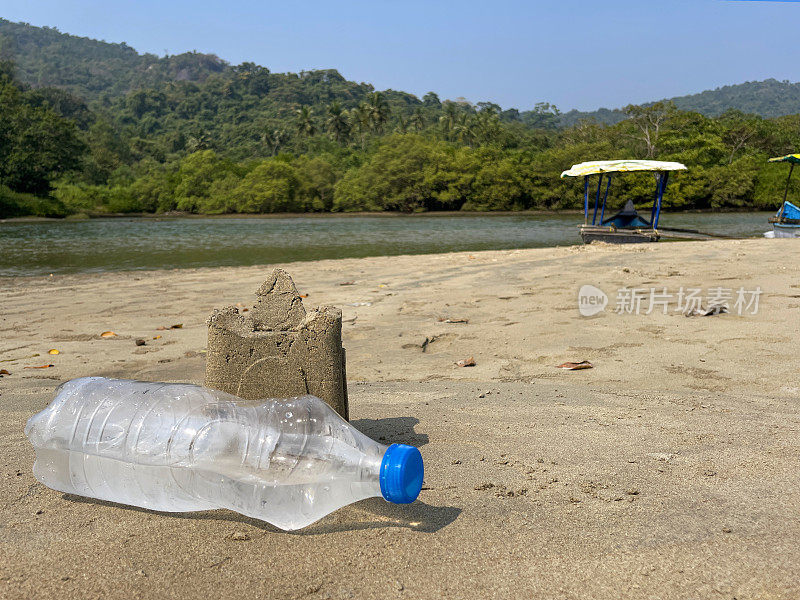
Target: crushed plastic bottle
179 447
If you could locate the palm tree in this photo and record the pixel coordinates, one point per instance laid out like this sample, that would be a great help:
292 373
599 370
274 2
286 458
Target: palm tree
464 131
378 111
360 119
281 139
274 140
486 126
418 120
336 124
402 125
268 139
449 119
304 121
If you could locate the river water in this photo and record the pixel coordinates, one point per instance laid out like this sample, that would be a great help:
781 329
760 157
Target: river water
43 247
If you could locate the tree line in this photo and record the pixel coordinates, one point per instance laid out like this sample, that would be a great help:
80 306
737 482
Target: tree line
249 141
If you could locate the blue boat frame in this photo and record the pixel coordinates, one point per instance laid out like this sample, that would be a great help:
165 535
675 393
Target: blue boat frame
662 177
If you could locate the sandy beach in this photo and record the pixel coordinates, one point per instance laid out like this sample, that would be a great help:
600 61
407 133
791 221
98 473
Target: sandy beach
669 470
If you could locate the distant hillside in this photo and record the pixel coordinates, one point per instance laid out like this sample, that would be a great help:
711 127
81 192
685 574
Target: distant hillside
88 68
770 98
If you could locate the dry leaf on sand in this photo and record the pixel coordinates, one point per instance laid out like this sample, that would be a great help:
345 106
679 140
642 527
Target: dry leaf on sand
108 334
466 362
576 366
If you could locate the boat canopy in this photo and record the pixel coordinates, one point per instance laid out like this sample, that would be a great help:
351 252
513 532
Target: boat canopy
790 158
599 167
628 217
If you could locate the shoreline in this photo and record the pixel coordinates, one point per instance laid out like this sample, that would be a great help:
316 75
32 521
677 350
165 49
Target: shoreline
337 215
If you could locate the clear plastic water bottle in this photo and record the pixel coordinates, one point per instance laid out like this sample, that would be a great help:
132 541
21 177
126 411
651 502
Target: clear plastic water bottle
180 447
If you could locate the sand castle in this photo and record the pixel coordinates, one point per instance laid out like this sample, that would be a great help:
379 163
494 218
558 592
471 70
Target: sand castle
278 350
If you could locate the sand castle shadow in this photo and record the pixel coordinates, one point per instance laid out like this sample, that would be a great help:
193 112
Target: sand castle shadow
418 516
392 430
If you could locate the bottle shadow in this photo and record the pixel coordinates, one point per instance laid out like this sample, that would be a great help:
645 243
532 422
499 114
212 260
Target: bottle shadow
392 430
417 516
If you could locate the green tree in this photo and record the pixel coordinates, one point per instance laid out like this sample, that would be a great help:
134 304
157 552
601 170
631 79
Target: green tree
486 128
270 187
379 111
317 178
738 130
396 177
463 131
274 139
199 141
36 144
336 124
196 174
417 120
449 119
304 122
108 151
402 125
543 116
431 100
502 182
360 120
648 122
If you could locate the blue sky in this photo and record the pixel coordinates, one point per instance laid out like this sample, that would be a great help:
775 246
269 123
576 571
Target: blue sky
575 54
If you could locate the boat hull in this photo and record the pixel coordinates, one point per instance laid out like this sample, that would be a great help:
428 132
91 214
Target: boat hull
786 223
611 235
786 231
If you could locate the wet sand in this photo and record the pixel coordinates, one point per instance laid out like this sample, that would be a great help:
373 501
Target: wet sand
670 469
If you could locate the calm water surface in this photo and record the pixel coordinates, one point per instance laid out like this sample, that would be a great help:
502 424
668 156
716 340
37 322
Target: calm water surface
39 248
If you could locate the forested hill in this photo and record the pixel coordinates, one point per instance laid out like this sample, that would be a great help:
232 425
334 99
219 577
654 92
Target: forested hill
100 71
769 98
91 69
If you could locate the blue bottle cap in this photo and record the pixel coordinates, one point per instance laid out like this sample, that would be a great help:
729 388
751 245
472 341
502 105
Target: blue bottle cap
401 474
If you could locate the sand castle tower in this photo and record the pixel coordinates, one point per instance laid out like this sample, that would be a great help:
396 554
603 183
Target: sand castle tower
278 350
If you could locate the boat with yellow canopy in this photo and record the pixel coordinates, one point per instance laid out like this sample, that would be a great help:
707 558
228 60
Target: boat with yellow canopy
626 226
